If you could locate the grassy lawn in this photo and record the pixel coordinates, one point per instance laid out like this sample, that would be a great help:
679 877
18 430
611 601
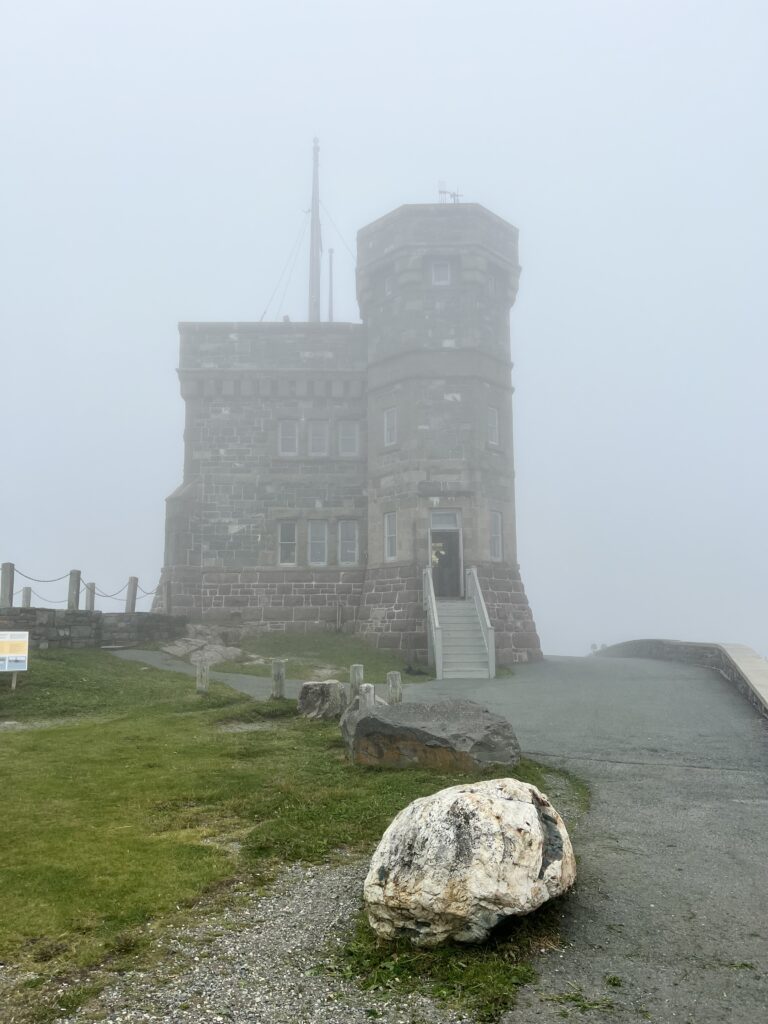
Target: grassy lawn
133 802
321 656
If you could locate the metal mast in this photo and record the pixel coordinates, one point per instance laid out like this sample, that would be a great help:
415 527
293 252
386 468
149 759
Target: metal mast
330 285
315 241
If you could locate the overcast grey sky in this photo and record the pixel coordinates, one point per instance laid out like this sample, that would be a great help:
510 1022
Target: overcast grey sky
156 168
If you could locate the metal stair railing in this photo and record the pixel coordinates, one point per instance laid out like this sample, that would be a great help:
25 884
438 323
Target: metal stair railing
434 630
474 593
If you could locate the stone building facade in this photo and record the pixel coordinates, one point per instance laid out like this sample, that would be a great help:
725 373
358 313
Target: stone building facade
326 464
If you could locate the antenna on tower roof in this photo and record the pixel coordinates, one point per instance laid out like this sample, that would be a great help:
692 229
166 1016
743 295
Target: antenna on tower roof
445 194
315 239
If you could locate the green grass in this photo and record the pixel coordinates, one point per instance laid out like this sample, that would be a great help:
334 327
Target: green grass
135 803
307 654
479 980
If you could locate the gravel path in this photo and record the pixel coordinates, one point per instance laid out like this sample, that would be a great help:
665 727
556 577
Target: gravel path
261 962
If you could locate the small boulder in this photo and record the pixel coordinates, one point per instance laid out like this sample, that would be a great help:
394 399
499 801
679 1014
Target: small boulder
453 865
451 735
322 700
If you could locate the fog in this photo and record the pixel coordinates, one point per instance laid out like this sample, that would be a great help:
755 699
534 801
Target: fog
157 161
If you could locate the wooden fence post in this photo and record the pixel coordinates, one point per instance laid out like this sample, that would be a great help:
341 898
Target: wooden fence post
202 677
26 597
394 688
90 596
367 697
73 595
6 585
130 594
355 681
278 680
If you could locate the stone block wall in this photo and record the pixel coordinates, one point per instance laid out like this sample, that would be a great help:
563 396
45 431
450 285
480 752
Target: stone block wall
51 628
391 613
510 613
264 600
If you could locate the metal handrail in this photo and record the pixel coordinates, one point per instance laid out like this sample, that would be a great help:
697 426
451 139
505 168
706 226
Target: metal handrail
434 630
475 593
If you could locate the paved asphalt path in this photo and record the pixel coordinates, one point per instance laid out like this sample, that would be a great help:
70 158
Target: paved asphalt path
672 897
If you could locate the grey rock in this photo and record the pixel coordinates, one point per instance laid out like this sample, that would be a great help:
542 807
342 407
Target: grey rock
454 735
350 718
322 700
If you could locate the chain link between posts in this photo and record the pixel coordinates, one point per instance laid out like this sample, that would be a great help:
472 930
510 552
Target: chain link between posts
116 596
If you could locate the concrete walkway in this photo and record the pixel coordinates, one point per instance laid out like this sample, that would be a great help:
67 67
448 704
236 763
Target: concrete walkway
672 897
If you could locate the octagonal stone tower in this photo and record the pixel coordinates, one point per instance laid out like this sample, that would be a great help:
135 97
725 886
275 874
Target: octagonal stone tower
435 284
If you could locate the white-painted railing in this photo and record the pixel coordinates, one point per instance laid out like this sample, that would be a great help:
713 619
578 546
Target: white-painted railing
474 593
434 631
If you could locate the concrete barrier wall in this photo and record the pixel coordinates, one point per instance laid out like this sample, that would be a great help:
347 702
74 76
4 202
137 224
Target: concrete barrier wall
736 662
57 628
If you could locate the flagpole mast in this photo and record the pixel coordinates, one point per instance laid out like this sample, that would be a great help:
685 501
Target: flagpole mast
315 240
330 285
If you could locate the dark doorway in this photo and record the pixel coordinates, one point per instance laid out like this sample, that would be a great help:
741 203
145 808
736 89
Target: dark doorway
446 563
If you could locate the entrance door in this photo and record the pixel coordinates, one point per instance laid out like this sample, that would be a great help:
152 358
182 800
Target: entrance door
446 562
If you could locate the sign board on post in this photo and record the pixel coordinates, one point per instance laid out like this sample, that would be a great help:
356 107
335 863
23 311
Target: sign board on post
14 652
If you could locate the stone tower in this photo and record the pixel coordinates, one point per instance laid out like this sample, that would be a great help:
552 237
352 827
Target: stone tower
328 464
435 286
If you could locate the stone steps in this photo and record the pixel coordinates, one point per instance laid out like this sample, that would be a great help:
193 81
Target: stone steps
464 652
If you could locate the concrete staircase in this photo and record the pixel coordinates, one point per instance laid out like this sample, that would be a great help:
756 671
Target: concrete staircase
464 652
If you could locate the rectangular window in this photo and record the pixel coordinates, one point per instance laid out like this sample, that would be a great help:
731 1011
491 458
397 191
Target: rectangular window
287 542
390 427
441 274
348 542
493 425
288 437
318 542
444 520
349 437
497 547
317 442
390 536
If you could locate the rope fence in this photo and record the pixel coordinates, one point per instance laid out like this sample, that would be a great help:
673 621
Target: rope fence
129 594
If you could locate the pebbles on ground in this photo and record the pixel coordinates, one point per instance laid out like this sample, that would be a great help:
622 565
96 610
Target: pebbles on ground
262 962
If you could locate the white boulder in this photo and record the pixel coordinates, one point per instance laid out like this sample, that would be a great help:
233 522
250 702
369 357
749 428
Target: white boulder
453 865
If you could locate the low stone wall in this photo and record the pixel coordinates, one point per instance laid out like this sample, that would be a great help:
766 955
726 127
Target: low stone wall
735 662
57 628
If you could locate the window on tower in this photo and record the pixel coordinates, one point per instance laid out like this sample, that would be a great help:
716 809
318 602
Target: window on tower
493 425
287 542
318 437
318 542
390 427
349 437
348 542
441 274
390 536
497 546
288 437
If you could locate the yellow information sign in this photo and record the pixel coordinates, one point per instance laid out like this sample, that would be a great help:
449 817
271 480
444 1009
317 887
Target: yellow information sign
14 652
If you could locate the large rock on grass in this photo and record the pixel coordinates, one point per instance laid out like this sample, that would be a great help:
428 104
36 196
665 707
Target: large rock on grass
322 700
453 865
452 735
